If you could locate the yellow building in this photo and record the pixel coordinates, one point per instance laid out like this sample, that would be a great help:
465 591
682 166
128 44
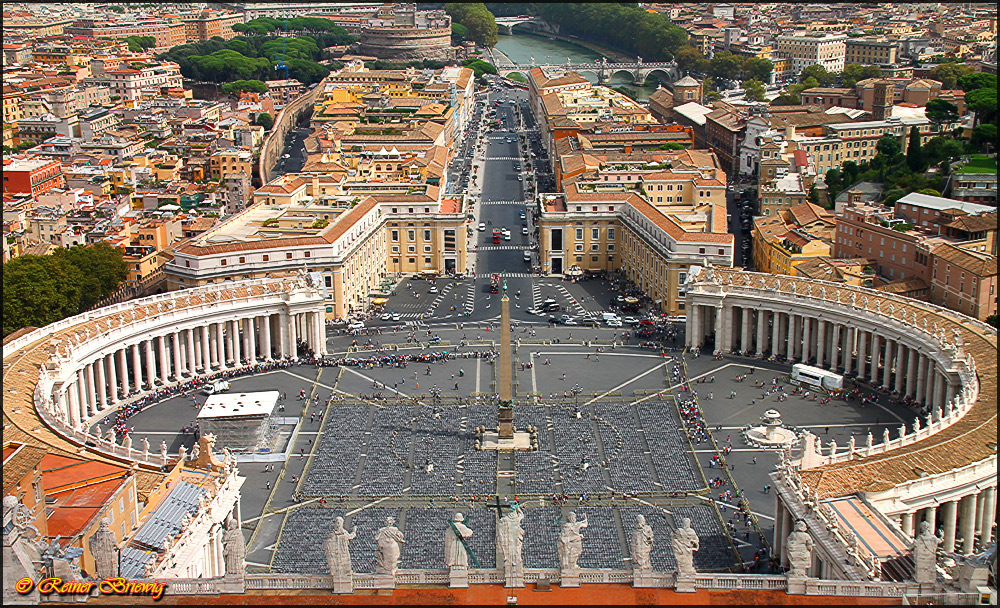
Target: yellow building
224 163
784 240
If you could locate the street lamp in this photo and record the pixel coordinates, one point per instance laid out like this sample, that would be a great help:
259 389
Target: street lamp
576 390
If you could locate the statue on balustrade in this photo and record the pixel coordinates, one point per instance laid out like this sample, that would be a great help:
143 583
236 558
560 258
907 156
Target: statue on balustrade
642 544
105 551
925 547
571 543
685 543
234 548
510 538
799 546
388 539
456 552
338 551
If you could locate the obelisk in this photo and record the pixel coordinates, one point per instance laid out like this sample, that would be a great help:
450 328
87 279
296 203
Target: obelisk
505 376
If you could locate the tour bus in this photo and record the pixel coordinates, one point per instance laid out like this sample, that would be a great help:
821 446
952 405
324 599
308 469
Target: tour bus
814 376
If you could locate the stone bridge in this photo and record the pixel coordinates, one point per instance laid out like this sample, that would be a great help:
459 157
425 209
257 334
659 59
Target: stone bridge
505 25
638 70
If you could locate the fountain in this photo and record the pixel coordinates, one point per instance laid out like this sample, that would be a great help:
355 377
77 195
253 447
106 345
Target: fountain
770 433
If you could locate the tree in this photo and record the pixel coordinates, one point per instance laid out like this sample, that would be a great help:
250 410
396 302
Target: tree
754 90
101 267
480 24
889 146
265 120
689 59
855 72
992 320
813 195
244 86
949 73
914 154
940 111
727 66
984 103
983 136
786 99
459 31
822 76
758 68
977 80
941 148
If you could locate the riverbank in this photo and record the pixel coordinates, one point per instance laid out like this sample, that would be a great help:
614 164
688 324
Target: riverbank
593 48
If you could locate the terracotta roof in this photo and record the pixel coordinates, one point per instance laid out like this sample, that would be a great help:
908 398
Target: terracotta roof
975 223
978 265
18 461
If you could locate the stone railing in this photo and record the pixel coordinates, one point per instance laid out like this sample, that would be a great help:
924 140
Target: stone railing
666 580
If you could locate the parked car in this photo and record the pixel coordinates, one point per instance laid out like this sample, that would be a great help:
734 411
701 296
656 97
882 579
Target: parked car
219 386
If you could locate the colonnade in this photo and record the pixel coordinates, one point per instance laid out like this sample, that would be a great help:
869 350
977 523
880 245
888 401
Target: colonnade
961 521
833 343
181 354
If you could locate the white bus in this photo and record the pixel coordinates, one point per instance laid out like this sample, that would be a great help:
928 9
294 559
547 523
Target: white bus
814 376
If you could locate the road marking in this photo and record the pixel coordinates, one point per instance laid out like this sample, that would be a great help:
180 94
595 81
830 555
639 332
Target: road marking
629 381
285 371
372 504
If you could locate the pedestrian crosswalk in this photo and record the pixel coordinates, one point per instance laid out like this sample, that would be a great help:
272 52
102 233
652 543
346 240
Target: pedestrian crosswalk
499 248
503 158
516 275
519 203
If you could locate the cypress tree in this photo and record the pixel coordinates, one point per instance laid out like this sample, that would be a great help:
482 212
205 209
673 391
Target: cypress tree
914 155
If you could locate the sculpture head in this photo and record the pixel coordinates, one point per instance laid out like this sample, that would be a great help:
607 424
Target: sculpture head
924 527
800 526
106 523
390 521
458 517
640 520
572 517
230 523
686 523
339 524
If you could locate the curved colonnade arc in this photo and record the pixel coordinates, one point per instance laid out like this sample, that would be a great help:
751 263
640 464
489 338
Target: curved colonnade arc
941 467
61 378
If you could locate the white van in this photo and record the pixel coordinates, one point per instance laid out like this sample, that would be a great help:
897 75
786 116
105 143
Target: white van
358 325
607 316
219 386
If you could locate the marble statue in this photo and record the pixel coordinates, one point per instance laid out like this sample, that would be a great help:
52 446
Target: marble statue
925 555
510 538
111 435
337 549
571 542
105 551
642 544
195 452
145 445
455 553
128 443
234 548
182 453
685 543
388 538
799 547
163 450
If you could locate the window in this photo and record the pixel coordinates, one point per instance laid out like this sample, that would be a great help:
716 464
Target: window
595 233
579 246
411 235
121 504
411 249
579 234
308 254
267 258
427 248
395 236
395 249
682 278
288 256
427 261
722 252
224 262
611 234
701 250
427 235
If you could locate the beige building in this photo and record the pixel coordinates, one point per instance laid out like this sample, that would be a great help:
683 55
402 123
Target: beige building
225 163
805 50
790 237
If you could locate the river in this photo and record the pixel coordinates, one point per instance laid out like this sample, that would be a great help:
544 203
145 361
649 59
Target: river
520 48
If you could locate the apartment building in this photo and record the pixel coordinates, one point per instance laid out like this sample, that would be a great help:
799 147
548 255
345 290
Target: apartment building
804 50
226 163
209 24
166 33
870 51
964 280
31 175
785 239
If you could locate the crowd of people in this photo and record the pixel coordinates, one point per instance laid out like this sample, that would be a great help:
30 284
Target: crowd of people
401 360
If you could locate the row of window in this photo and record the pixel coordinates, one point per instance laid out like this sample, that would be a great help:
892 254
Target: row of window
411 235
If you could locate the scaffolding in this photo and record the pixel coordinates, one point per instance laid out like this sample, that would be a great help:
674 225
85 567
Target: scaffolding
240 422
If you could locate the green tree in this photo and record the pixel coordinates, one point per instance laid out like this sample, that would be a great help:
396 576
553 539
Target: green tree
671 145
241 86
480 23
819 73
983 136
689 59
786 99
949 73
265 120
727 65
855 72
754 90
977 80
940 111
758 68
459 31
101 267
984 103
889 146
992 320
941 148
914 154
813 195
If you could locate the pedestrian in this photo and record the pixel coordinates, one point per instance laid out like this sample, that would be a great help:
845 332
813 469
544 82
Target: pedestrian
755 460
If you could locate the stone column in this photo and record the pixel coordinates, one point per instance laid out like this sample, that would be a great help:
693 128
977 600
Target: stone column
320 326
265 337
788 524
150 363
213 345
745 331
137 365
849 342
283 333
205 355
123 371
949 390
692 330
720 328
237 343
834 346
293 334
779 532
783 330
164 371
775 333
876 352
220 344
980 510
989 516
88 402
191 370
940 382
252 340
806 338
922 379
906 523
911 371
901 364
949 512
112 377
930 516
73 395
862 341
761 331
969 522
820 342
793 331
176 343
102 387
889 356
